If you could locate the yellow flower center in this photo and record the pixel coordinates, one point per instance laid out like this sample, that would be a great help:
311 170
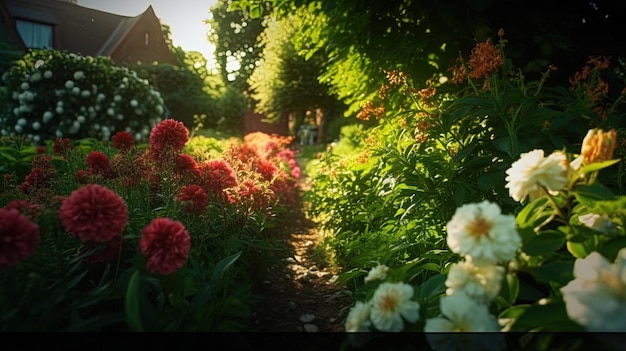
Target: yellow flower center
388 303
478 227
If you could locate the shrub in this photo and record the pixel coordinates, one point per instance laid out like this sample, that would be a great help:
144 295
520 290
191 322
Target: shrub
51 94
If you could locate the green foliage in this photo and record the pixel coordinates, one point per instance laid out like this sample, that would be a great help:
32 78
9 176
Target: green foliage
387 199
50 94
234 33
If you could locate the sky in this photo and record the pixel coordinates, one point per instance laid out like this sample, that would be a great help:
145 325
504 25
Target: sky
185 18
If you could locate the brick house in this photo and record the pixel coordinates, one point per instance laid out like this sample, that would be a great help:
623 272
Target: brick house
65 25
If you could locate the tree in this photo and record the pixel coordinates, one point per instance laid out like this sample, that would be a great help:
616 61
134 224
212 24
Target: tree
285 82
234 34
424 38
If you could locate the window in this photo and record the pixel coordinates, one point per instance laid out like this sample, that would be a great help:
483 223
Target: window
146 38
35 35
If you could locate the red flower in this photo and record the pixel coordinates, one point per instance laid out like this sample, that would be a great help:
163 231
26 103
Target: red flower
217 175
94 213
81 176
267 169
98 163
168 136
123 141
194 197
18 237
186 165
61 146
165 243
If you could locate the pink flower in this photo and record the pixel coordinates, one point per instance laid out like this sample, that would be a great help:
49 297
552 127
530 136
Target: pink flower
18 237
94 213
165 243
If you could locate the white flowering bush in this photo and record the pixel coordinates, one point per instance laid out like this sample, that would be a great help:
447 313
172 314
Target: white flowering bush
51 94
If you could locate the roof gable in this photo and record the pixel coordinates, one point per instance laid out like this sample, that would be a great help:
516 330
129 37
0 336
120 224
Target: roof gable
81 29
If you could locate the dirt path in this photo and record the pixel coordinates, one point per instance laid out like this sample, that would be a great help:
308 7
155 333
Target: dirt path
300 293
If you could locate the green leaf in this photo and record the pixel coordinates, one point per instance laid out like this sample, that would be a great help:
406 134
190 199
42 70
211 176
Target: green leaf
133 309
433 287
580 249
560 272
544 243
596 166
551 317
532 214
223 265
589 194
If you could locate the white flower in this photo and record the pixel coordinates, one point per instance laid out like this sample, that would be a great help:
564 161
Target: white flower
597 222
78 75
377 273
159 110
22 122
47 116
358 318
117 98
596 298
75 90
533 172
119 116
47 74
24 86
481 283
85 93
59 110
390 303
111 111
39 63
36 125
19 128
69 84
80 119
481 231
473 327
134 103
35 77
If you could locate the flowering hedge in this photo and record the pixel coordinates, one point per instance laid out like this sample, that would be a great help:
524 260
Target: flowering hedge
118 235
51 94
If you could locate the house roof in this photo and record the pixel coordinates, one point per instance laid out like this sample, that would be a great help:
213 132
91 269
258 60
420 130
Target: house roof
80 29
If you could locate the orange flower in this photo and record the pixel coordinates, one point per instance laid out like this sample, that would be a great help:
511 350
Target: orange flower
598 145
484 59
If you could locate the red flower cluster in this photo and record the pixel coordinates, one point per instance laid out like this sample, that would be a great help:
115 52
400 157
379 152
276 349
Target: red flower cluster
123 141
61 146
165 243
18 237
217 175
99 164
194 198
94 213
168 136
40 175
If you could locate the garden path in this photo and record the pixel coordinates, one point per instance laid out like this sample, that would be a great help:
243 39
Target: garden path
300 292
